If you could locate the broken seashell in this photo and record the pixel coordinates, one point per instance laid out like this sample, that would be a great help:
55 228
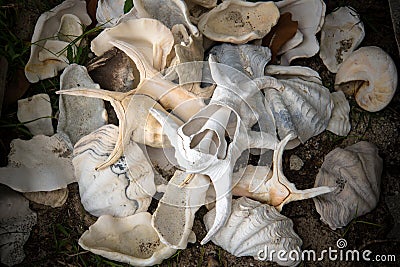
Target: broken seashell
356 172
292 43
174 217
46 30
291 72
16 222
238 21
130 240
272 187
168 12
255 229
54 199
79 116
151 38
339 123
342 32
108 12
35 113
369 74
122 189
310 16
40 164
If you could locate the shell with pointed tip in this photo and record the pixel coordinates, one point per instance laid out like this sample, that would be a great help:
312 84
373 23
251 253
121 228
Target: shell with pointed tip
169 12
122 189
238 21
47 27
341 33
369 74
340 120
79 116
40 164
151 37
253 227
310 16
38 108
356 171
130 239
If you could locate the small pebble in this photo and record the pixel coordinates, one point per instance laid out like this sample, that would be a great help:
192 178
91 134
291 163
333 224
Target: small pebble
295 163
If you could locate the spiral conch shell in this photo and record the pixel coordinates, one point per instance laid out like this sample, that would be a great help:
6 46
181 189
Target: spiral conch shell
356 171
124 188
369 74
254 229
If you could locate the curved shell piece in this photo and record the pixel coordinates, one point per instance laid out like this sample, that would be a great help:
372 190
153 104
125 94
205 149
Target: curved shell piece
310 15
122 189
238 21
108 12
151 37
290 72
79 116
340 120
174 217
169 12
369 74
38 110
130 240
16 222
356 171
47 29
40 164
302 108
54 199
253 227
342 32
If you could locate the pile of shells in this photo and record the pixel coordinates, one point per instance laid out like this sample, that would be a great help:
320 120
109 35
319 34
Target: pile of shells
196 116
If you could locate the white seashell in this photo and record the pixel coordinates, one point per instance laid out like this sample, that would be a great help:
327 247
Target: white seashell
37 108
200 145
254 227
292 43
122 189
168 12
356 172
79 116
342 32
16 222
369 74
302 108
40 164
130 240
291 72
46 31
339 123
238 21
174 217
54 199
272 187
151 37
310 15
108 12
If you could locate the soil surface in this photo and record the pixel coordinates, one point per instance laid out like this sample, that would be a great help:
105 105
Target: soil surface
54 240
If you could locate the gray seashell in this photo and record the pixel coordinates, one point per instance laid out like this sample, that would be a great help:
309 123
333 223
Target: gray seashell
79 116
356 171
340 120
16 222
253 227
124 188
108 12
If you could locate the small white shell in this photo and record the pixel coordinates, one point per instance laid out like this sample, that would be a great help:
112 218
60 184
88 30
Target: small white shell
340 120
356 171
38 108
369 74
130 239
341 33
238 21
122 189
79 116
16 222
40 164
253 227
47 27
